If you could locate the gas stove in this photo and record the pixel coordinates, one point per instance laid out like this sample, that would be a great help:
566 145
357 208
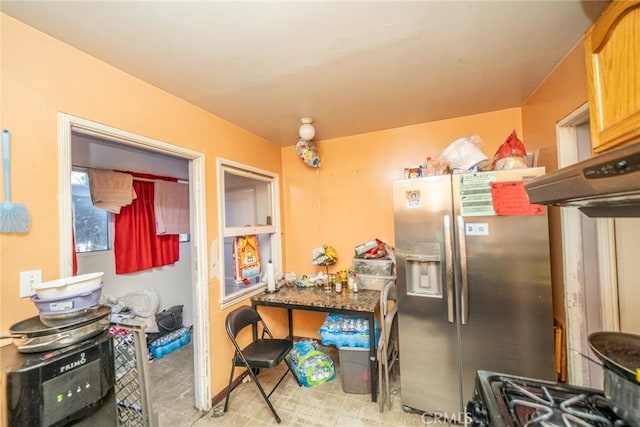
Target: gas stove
506 400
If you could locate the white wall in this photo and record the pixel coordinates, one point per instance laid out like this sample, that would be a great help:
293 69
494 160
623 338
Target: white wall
87 151
173 282
628 256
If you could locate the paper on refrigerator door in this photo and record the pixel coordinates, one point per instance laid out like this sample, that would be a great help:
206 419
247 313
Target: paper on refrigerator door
475 194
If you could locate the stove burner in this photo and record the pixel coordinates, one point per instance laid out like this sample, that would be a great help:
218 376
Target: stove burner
538 406
503 400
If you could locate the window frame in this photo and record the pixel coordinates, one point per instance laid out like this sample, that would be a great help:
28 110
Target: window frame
273 229
109 221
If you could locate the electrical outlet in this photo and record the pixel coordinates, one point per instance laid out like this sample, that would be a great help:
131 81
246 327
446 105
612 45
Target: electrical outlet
28 279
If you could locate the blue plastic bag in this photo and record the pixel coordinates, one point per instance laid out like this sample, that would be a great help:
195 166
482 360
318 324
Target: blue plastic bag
310 365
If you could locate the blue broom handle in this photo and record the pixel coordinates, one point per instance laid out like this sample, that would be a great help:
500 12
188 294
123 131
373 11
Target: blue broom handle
5 163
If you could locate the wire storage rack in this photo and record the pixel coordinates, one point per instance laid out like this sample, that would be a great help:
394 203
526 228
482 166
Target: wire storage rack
133 395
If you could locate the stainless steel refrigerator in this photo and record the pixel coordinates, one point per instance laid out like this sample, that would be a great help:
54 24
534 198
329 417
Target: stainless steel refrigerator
474 285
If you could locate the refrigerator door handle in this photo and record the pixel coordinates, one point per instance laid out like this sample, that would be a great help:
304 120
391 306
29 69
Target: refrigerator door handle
449 269
464 295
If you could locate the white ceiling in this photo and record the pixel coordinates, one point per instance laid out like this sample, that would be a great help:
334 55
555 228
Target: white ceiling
353 66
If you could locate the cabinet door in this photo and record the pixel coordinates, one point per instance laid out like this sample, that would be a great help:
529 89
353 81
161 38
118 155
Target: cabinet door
613 75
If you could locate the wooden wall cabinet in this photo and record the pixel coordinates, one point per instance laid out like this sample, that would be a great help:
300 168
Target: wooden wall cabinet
612 46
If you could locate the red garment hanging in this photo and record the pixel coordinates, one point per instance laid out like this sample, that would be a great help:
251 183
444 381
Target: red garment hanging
136 244
74 263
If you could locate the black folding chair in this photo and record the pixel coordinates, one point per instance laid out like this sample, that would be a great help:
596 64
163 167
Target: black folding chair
263 352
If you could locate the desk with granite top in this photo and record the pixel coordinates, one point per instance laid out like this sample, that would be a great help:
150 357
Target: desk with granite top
363 303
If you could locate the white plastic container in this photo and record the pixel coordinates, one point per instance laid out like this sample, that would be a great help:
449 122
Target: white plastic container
373 267
68 286
376 283
67 304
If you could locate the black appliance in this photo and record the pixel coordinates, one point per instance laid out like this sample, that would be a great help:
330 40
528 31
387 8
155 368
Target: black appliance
506 400
73 385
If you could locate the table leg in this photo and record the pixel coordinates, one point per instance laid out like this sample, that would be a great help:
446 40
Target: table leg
373 363
290 318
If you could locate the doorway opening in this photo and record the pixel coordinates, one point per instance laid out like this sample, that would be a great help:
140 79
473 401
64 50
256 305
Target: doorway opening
67 124
589 261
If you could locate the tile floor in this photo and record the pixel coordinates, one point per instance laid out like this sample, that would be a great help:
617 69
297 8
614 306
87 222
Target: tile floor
323 405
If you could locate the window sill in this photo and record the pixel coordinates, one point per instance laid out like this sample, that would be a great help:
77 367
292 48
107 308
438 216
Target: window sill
242 295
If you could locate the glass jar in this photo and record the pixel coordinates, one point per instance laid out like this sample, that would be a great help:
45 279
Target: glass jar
330 283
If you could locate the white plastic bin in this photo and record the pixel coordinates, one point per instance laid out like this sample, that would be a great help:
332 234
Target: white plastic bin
376 283
373 267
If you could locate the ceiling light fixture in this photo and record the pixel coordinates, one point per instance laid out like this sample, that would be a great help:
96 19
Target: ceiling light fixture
306 131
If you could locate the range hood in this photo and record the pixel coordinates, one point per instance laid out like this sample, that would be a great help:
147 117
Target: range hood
606 185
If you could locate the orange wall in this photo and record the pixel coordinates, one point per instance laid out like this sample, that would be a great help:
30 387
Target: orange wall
41 77
348 200
562 92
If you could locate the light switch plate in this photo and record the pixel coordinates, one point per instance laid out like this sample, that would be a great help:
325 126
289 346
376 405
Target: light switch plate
28 279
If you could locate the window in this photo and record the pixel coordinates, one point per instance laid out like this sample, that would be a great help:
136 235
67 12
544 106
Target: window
249 212
90 224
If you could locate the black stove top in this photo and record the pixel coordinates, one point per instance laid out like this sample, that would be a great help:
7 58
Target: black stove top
507 400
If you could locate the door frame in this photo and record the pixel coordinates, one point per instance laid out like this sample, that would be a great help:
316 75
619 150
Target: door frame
198 230
574 287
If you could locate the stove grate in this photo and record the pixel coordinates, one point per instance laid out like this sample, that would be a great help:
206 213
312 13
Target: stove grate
534 405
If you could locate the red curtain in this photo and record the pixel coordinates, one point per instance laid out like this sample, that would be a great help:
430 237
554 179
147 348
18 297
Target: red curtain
136 245
73 252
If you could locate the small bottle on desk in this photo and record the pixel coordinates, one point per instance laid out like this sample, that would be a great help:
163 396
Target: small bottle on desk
354 286
343 278
351 279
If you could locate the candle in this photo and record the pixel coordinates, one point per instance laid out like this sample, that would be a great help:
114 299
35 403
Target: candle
271 277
